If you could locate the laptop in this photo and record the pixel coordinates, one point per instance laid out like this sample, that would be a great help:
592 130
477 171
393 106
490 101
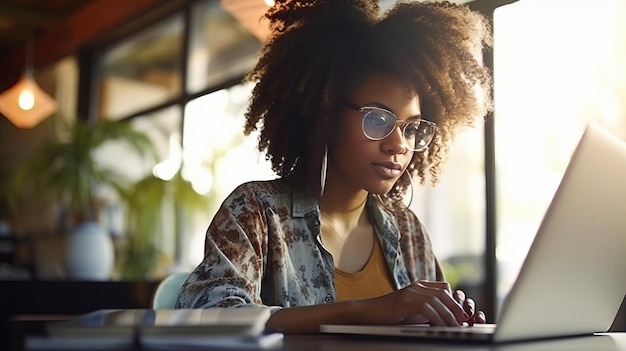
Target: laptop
572 280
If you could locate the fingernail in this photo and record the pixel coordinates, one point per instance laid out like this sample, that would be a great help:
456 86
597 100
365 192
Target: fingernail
465 316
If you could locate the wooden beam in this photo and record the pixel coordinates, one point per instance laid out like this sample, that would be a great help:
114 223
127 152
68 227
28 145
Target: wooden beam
86 25
27 14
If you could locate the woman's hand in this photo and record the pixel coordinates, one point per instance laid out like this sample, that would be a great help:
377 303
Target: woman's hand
420 302
424 302
470 308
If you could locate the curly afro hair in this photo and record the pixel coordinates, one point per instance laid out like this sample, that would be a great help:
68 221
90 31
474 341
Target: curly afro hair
321 50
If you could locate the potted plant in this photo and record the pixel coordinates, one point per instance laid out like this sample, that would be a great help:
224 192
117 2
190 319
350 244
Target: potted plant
147 201
65 172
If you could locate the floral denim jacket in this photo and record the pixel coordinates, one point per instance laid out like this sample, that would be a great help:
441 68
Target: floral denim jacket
263 248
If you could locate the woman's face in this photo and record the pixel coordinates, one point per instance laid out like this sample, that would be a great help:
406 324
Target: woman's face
355 161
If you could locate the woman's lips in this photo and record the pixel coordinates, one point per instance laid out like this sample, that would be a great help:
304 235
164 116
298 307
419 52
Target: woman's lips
388 169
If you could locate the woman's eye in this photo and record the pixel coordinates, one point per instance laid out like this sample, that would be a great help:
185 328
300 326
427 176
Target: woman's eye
411 129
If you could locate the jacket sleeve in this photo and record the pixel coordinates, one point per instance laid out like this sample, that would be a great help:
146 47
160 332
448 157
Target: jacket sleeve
235 249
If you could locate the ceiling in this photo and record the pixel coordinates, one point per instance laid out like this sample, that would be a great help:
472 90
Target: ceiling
21 18
59 27
55 28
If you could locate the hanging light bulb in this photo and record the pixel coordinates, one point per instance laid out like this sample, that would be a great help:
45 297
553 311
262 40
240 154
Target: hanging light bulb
25 104
26 100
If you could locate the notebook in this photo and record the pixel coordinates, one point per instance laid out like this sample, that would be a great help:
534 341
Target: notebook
211 328
572 280
240 321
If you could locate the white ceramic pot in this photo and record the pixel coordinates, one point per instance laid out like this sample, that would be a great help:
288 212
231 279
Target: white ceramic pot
89 253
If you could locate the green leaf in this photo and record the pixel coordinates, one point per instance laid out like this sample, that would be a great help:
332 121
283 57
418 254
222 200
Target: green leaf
65 172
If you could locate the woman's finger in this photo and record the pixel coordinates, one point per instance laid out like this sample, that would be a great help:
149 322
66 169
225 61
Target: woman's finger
480 318
437 285
459 296
430 313
469 306
441 301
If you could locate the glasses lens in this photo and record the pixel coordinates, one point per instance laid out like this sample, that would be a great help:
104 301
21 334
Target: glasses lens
377 124
418 134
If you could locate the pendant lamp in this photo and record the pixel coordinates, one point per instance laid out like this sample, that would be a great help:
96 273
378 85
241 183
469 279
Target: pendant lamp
25 104
248 13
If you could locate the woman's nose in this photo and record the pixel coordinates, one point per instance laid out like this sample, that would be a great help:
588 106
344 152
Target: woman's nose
394 142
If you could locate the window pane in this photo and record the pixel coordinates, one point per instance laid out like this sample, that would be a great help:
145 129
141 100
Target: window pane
454 213
163 129
217 157
220 47
143 70
550 79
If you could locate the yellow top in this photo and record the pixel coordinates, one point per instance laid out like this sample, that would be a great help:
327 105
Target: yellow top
372 281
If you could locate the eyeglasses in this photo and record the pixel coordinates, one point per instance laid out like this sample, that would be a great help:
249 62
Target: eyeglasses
378 123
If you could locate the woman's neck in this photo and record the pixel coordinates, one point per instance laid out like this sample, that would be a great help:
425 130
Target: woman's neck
341 205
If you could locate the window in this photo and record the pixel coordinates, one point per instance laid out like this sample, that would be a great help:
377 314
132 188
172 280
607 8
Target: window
217 157
143 70
163 129
454 212
551 78
220 48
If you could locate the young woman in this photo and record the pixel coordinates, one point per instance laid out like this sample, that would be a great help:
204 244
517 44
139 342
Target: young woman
351 105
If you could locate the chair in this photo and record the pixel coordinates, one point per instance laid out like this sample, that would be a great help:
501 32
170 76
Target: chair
166 292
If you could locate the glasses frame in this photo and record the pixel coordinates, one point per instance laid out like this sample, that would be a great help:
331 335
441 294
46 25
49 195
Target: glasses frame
363 109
